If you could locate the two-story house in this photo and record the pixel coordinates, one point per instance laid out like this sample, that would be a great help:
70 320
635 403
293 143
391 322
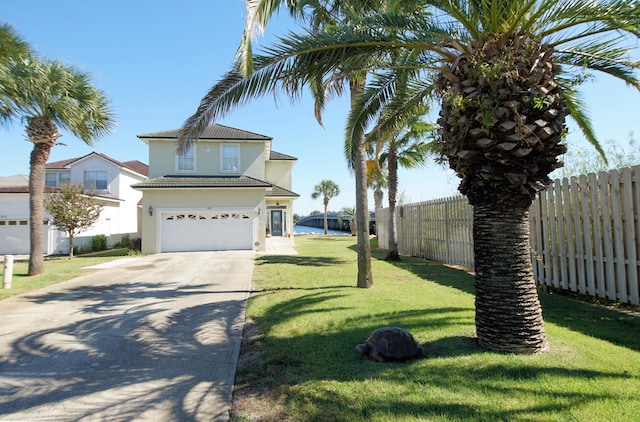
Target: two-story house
227 191
109 179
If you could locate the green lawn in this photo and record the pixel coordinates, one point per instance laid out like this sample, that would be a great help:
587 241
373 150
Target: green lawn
299 362
56 269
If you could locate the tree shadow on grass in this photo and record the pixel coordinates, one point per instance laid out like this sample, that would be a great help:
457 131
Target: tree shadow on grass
301 260
595 321
319 367
326 360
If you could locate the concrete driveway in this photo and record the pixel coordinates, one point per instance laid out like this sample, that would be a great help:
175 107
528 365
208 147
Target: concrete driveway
154 339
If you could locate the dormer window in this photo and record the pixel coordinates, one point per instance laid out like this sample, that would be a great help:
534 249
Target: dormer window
185 162
230 158
95 180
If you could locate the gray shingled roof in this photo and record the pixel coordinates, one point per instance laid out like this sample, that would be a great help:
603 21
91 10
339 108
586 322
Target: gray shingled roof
134 165
281 192
214 131
200 182
280 156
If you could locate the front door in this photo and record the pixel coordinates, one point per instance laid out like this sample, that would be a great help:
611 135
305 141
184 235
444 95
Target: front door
276 223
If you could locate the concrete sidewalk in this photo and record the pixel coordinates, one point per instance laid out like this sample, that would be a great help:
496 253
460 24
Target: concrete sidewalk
279 246
152 339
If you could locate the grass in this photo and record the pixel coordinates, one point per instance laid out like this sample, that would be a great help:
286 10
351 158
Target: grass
56 269
298 361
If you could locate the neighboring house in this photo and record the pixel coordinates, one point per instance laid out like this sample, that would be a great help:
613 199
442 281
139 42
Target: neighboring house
109 179
225 192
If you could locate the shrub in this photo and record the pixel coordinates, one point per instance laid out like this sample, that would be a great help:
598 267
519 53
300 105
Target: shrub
99 242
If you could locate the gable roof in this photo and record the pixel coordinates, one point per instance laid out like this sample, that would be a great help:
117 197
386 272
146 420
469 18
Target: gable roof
135 165
214 131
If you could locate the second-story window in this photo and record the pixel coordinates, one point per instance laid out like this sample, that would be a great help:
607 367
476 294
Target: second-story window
56 180
230 158
95 180
186 160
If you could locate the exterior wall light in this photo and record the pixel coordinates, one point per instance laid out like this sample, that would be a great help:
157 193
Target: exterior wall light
150 210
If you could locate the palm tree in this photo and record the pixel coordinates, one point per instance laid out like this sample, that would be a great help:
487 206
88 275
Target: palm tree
231 91
507 74
327 189
49 95
404 146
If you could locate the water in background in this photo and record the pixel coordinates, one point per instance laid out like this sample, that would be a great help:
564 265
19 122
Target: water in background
313 230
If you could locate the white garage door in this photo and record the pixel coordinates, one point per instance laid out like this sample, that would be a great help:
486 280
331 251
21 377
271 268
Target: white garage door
206 231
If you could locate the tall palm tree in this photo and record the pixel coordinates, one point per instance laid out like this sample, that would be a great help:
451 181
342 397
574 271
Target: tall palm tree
507 74
49 95
231 92
405 147
327 189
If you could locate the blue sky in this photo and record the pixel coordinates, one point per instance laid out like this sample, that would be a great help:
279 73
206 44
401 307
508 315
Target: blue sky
156 59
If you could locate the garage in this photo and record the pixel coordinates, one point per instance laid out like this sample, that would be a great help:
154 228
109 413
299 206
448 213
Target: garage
184 231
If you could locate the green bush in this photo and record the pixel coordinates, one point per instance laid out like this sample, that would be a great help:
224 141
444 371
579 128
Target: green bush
124 242
99 242
130 243
79 250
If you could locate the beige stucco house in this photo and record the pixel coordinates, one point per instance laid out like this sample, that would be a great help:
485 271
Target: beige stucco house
226 192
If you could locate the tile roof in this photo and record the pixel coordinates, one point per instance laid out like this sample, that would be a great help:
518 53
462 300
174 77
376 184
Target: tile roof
134 165
201 182
277 191
280 156
214 131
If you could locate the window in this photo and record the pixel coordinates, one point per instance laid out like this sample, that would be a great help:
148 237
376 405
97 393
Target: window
185 161
230 158
51 179
64 178
95 180
55 180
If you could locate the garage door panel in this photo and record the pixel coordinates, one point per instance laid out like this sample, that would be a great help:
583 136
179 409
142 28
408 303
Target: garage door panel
199 231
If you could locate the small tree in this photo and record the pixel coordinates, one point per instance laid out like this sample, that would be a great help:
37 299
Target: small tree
73 210
327 189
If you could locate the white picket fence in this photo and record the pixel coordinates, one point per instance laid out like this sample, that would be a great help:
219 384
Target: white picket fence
585 233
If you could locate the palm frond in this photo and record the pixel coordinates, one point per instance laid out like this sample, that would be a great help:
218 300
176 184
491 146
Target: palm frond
604 56
577 111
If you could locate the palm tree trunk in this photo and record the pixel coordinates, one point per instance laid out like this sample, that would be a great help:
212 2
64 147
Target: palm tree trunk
508 311
326 206
378 195
39 157
365 276
392 161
